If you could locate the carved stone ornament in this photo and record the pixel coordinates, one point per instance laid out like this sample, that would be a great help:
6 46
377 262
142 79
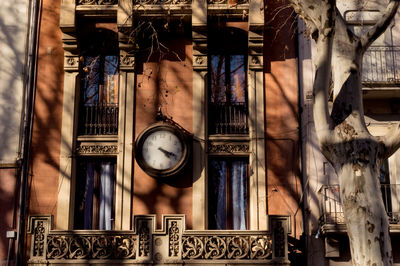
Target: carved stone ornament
144 240
97 2
97 149
228 148
228 2
226 247
279 239
38 239
71 62
127 61
173 233
90 246
161 2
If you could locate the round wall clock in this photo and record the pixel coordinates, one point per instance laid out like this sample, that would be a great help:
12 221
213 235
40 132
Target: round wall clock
162 150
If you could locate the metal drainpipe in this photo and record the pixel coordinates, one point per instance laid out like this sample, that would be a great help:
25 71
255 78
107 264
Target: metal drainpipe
34 14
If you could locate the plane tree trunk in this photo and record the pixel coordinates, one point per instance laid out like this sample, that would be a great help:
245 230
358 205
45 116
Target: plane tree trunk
344 139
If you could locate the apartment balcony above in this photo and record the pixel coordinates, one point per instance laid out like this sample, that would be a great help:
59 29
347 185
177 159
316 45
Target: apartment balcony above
381 72
332 219
147 245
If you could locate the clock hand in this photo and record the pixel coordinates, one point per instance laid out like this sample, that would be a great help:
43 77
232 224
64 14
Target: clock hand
167 153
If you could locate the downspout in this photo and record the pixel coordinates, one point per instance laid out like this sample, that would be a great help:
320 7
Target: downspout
31 52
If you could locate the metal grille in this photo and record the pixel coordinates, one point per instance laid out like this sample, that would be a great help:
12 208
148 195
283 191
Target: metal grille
228 118
100 119
332 211
381 65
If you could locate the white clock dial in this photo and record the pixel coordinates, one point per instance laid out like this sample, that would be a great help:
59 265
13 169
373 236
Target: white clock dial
162 150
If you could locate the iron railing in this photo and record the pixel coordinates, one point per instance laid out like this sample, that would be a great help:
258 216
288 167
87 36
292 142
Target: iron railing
381 66
228 118
332 211
97 2
99 119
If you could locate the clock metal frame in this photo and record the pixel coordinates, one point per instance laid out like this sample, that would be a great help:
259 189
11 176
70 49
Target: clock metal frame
166 172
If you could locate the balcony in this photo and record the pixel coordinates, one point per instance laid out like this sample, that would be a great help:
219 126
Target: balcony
147 245
99 119
381 67
228 118
332 218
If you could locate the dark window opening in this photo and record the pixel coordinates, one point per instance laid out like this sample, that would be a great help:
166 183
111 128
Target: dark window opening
98 113
94 194
228 193
228 82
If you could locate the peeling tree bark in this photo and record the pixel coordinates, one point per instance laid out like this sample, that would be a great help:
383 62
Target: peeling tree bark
344 139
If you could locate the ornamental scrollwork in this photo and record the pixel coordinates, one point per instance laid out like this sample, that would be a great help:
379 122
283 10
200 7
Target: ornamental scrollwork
144 240
38 237
228 148
228 2
90 247
127 61
227 247
97 2
97 149
173 233
161 2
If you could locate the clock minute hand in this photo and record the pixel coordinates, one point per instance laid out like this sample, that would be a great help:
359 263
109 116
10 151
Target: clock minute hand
166 153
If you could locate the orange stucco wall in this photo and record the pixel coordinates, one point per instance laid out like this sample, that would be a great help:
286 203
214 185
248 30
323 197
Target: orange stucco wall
281 115
8 207
166 84
46 137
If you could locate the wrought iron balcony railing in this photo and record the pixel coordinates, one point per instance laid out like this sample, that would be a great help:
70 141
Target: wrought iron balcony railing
381 66
228 118
171 244
97 2
99 119
332 212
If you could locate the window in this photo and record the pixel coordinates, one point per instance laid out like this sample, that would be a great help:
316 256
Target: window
228 83
99 93
94 203
227 193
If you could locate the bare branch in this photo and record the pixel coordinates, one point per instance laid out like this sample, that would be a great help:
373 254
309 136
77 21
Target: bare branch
392 140
381 25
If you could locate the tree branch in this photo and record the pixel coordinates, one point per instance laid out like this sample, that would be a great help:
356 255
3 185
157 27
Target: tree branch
392 140
381 25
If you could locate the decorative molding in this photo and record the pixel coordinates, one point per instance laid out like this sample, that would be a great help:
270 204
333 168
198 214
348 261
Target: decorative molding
279 239
227 247
162 2
199 61
173 233
71 63
126 61
144 240
38 239
90 246
227 2
228 147
97 2
97 149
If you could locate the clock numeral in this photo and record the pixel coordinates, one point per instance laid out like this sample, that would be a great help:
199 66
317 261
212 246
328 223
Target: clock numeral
150 143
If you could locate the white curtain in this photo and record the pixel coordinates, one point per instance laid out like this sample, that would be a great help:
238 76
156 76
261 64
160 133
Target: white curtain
239 192
106 196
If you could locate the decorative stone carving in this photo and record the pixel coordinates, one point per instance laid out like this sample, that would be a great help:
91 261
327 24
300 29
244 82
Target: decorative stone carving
71 63
228 2
144 240
38 241
87 246
228 148
161 2
279 239
127 61
97 149
173 233
227 247
97 2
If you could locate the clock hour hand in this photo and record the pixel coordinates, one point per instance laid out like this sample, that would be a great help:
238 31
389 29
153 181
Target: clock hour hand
167 153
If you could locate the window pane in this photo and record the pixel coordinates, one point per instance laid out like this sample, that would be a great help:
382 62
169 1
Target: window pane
94 195
91 68
109 94
237 79
227 194
218 85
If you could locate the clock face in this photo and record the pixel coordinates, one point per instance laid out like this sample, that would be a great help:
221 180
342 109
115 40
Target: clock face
162 150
